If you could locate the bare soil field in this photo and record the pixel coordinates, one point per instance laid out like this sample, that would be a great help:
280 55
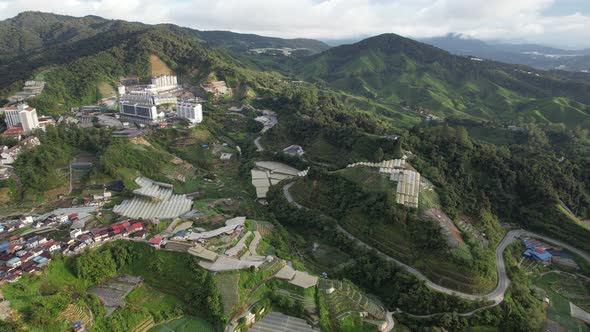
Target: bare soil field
451 232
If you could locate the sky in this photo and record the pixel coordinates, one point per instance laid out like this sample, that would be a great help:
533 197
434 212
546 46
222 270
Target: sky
559 23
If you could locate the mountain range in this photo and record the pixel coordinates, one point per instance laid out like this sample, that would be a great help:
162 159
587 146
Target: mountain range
388 71
537 56
33 30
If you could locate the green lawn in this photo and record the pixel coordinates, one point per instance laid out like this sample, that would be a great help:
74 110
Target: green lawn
151 299
128 177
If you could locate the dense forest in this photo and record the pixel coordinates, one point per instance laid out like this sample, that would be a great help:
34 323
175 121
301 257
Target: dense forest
522 183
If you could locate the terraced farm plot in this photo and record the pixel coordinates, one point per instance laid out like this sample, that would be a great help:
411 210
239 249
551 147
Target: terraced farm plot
185 324
227 283
307 300
144 325
345 300
76 312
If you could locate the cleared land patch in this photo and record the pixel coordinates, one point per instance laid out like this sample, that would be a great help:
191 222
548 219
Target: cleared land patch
112 292
159 67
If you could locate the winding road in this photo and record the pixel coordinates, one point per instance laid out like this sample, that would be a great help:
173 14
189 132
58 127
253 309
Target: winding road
497 295
259 146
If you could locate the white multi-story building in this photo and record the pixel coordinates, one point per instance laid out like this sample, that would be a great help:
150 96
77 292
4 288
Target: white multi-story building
28 118
164 82
22 114
138 107
12 116
190 110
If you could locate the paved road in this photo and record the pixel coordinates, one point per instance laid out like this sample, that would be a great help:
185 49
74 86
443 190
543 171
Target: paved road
390 322
497 295
259 146
288 195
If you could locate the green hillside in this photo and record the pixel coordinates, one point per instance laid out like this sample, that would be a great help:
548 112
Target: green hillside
556 110
392 69
32 31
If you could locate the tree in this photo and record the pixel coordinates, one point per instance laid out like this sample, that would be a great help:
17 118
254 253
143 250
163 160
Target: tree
378 155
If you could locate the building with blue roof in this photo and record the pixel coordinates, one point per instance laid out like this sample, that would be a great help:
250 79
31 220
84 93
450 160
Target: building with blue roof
4 245
40 260
13 262
539 255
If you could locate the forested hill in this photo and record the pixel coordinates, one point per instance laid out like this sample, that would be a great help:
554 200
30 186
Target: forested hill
240 42
391 69
30 31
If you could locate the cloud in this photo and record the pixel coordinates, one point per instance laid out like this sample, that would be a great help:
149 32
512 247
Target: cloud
520 20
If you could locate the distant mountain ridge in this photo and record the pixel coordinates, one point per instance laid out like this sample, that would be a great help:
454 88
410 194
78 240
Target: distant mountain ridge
30 31
537 56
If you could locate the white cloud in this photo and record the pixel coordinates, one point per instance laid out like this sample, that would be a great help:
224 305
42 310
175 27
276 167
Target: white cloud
522 20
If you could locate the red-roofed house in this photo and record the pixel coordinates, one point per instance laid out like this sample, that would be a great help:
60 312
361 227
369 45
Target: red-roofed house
13 248
15 239
128 230
120 226
52 246
14 132
155 242
26 257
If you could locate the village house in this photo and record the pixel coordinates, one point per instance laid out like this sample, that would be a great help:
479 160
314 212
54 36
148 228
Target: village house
14 262
156 242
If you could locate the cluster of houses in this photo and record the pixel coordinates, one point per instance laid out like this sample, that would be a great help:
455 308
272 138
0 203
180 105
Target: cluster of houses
14 225
547 254
9 155
81 239
19 255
